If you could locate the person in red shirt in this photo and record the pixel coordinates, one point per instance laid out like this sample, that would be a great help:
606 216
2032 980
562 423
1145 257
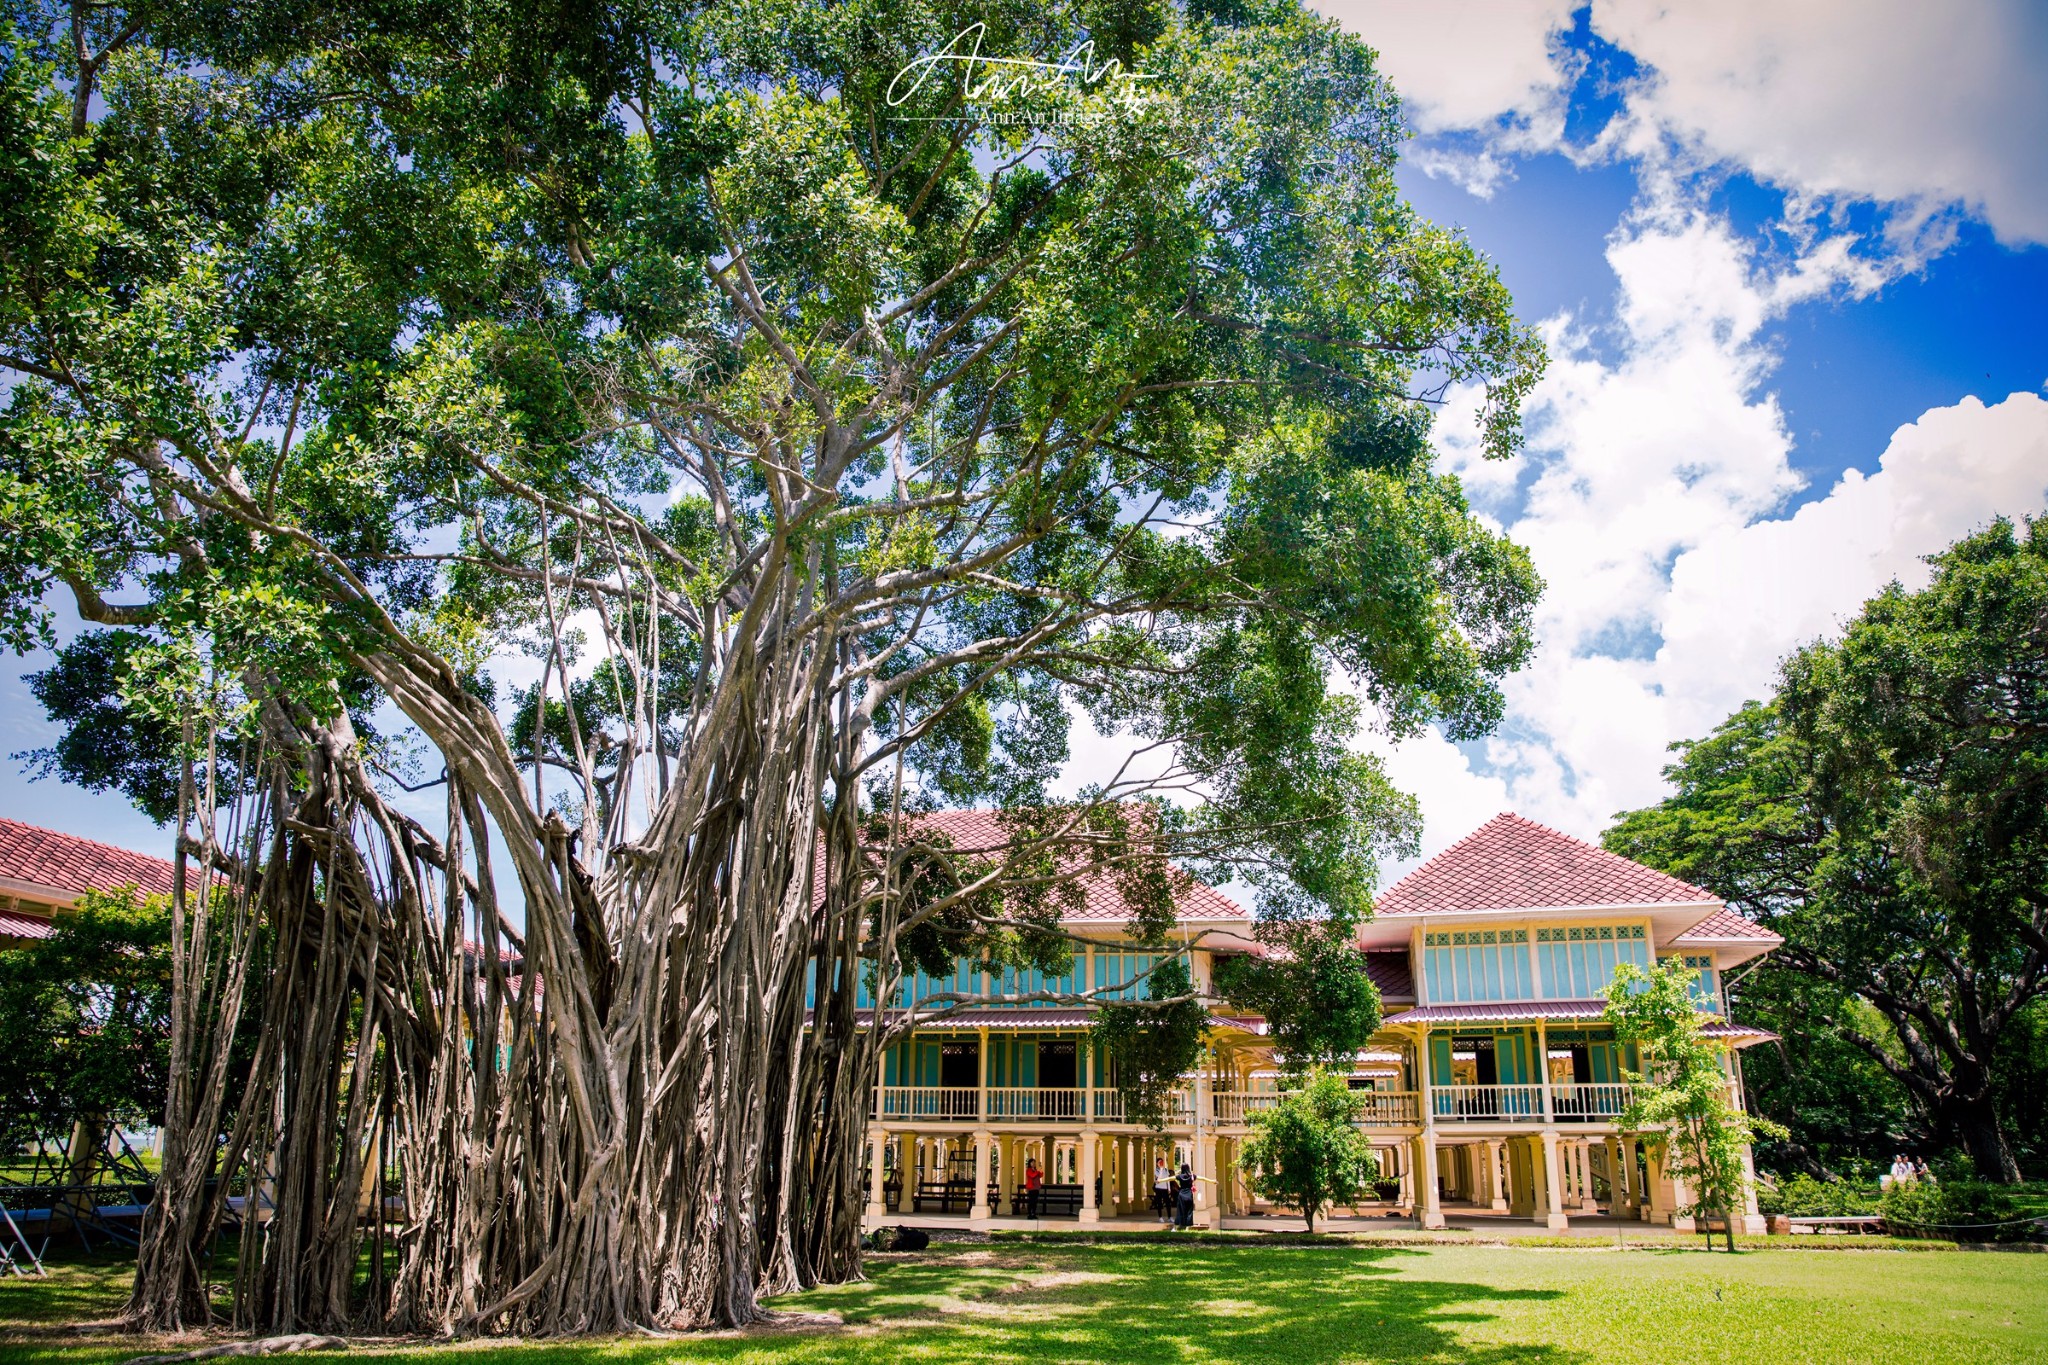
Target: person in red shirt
1032 1180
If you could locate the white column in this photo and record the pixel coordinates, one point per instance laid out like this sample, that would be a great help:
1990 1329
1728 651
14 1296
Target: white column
1087 1050
1553 1203
1006 1170
1681 1195
1496 1177
1208 1211
982 1142
1432 1204
1582 1157
877 1141
1617 1179
1752 1217
1089 1212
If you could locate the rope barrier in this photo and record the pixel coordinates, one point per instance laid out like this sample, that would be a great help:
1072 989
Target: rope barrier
1964 1227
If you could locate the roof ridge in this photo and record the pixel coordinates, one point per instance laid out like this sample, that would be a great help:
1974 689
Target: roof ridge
1513 862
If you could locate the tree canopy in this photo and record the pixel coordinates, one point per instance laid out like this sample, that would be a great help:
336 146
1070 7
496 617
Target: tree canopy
833 428
1307 1151
1886 813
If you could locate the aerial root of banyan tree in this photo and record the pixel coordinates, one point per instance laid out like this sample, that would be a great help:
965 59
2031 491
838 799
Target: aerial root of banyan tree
621 1118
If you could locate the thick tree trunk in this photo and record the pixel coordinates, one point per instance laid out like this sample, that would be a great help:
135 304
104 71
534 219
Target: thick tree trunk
646 1128
1975 1123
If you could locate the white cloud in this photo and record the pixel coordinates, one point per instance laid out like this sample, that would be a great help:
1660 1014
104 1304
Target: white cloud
1651 501
1894 100
1494 67
1652 498
1466 66
1739 603
1586 734
1899 101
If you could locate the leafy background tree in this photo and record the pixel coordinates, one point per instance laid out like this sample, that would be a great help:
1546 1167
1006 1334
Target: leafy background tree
86 1015
1307 1152
1886 811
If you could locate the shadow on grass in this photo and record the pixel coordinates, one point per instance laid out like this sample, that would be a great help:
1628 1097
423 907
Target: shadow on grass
77 1288
1221 1304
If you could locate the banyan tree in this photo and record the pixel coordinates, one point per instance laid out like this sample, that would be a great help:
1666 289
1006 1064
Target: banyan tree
554 494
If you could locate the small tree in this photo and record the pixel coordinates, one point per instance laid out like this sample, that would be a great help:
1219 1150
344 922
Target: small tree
1306 1151
1681 1098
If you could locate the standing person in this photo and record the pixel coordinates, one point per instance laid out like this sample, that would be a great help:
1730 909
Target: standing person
1184 1207
1162 1190
1032 1180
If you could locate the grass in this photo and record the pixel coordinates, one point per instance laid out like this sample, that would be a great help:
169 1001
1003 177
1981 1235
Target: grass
1252 1301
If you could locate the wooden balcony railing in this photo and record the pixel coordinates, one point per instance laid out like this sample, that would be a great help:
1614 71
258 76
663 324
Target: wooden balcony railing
1031 1102
928 1102
1389 1109
1234 1108
1468 1103
1588 1101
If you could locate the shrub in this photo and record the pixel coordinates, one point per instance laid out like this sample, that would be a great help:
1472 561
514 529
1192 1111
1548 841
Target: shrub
1804 1197
1964 1210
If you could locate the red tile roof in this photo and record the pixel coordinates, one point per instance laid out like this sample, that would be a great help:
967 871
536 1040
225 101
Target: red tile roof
983 831
1501 1011
13 925
1389 971
1525 1011
1028 1016
1726 926
1510 863
64 862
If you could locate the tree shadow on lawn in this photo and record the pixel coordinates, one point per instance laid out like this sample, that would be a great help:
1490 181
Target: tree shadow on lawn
1221 1304
77 1288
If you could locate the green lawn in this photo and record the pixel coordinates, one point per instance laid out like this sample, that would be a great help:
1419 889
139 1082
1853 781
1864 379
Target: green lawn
1257 1302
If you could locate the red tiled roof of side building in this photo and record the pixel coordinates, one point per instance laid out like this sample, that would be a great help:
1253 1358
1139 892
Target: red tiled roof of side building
15 926
65 862
982 831
1727 926
1510 863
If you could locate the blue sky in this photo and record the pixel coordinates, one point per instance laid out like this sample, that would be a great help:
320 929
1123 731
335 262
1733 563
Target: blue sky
1790 260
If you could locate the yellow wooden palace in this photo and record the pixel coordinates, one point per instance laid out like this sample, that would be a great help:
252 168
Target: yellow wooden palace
1491 1089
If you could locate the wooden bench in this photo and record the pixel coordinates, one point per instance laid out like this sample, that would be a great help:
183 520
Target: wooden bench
1053 1201
1855 1222
951 1196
